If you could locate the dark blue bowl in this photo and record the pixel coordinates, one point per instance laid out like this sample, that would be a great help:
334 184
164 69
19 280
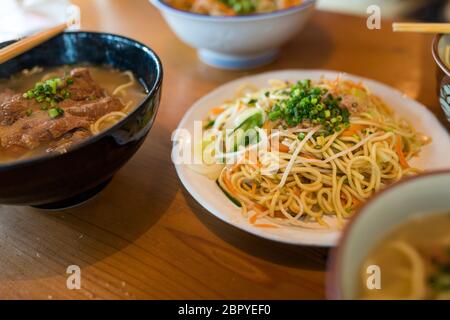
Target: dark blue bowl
62 180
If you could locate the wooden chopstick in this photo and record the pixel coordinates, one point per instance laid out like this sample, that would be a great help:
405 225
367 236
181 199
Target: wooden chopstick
28 43
421 27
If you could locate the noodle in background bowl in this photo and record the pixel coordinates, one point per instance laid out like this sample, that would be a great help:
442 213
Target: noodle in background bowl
433 156
238 42
62 180
413 197
441 54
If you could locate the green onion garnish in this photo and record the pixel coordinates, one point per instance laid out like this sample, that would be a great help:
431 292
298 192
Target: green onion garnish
55 112
51 91
311 104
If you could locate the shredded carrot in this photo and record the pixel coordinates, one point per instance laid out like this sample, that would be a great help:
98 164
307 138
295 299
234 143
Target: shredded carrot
253 218
399 150
260 207
285 4
353 129
289 3
265 225
225 9
283 148
279 214
217 110
356 202
230 187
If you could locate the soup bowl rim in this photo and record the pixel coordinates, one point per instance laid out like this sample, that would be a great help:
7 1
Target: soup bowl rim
93 139
437 58
334 265
161 5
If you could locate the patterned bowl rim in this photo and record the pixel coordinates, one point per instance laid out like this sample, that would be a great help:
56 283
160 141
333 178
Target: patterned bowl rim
437 58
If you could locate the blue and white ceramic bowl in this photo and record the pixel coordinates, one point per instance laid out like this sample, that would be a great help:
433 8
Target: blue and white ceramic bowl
441 48
238 42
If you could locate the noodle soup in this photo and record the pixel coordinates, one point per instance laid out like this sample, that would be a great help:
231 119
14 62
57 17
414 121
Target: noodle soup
51 110
414 261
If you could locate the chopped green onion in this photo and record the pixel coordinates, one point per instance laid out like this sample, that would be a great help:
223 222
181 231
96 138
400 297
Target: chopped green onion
55 112
51 91
240 6
312 104
252 102
209 124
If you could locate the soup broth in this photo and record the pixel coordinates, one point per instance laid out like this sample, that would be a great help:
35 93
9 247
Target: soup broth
50 110
414 261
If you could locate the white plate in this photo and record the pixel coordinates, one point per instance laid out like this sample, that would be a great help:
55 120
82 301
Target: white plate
206 192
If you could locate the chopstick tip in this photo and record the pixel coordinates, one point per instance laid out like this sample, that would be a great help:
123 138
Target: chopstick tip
395 26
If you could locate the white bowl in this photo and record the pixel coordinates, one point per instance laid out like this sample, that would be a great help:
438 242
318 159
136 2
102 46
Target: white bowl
238 42
425 194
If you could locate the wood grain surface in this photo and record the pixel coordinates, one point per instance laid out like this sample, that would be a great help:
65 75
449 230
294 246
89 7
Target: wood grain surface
144 237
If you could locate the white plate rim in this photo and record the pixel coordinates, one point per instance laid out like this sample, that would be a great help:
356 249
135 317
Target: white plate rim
330 239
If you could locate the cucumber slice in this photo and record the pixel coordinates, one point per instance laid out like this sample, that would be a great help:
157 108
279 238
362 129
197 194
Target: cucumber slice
229 196
249 119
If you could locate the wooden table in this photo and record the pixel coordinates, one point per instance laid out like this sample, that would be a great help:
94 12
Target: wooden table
144 236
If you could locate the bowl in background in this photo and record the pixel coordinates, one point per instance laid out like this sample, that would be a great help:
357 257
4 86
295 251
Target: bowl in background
237 42
440 45
421 195
63 180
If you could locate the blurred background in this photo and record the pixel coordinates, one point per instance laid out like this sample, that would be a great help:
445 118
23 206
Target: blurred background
427 10
21 17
